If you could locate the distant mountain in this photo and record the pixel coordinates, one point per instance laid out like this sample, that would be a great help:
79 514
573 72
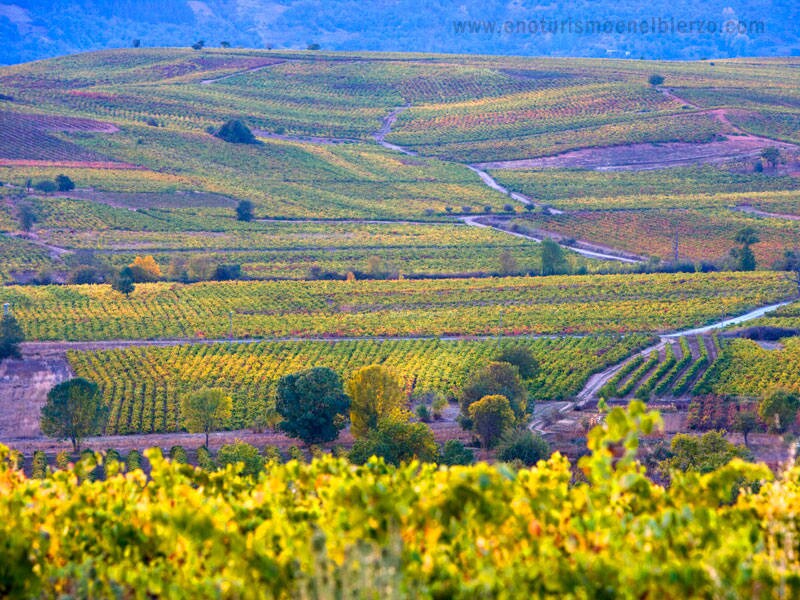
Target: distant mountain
656 29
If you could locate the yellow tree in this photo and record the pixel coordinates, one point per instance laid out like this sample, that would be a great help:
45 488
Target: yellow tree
206 411
145 268
375 393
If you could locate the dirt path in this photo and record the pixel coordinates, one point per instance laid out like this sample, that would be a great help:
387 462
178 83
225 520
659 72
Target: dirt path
589 250
386 127
237 73
56 252
750 210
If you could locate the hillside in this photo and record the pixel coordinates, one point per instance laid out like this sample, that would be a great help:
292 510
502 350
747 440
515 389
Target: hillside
36 29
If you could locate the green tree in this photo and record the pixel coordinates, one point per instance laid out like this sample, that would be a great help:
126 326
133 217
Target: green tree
11 336
206 411
74 410
491 417
746 236
791 265
703 454
64 183
224 44
745 422
396 440
241 453
655 79
123 282
522 358
772 155
375 393
235 131
45 186
553 260
455 453
245 211
778 408
27 217
508 264
522 445
313 405
744 257
496 378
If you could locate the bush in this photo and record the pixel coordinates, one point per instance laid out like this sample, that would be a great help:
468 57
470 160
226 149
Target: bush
204 459
178 454
236 132
524 446
455 453
64 183
230 272
133 460
45 186
655 79
241 452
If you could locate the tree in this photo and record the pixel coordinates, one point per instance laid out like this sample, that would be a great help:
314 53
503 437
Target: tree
553 259
522 358
136 43
508 264
74 410
496 378
64 183
778 408
772 155
491 417
11 336
522 445
655 79
45 186
144 269
241 453
206 411
229 272
791 265
375 393
199 45
244 211
236 132
746 260
27 217
123 281
702 454
313 405
746 236
224 44
455 453
745 422
396 440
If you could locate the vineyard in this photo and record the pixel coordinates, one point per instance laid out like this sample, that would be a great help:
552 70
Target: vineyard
746 369
670 371
702 235
520 305
143 386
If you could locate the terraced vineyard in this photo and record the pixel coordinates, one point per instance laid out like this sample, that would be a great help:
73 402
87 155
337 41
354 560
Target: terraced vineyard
670 371
746 369
143 386
522 305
